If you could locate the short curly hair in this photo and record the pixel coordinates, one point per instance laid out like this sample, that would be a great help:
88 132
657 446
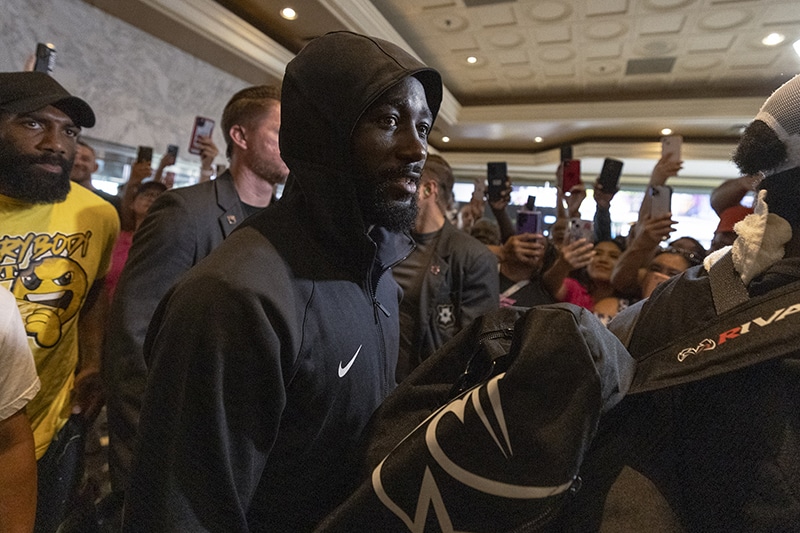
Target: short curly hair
245 106
759 149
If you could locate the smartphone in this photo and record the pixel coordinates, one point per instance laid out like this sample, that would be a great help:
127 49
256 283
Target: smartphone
496 173
566 152
172 149
581 229
531 203
202 128
145 153
45 58
571 174
529 221
671 147
660 200
609 176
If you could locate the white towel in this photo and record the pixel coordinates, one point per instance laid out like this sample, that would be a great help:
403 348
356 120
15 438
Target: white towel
760 239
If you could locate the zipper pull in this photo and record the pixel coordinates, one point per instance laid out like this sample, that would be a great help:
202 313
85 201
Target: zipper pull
381 307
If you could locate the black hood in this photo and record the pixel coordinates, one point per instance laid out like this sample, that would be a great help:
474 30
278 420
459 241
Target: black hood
330 84
326 89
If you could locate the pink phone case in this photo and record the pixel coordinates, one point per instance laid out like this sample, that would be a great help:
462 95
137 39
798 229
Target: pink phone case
202 128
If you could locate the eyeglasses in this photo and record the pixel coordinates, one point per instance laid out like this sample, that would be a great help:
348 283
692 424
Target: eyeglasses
693 258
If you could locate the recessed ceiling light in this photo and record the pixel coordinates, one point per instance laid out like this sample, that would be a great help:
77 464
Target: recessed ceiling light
666 131
445 139
537 139
796 47
288 13
472 60
773 39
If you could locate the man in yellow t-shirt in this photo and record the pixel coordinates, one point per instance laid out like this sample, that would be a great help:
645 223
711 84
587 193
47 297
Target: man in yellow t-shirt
55 249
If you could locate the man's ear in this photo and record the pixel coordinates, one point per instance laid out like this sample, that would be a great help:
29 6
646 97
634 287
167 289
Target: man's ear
96 166
428 188
237 134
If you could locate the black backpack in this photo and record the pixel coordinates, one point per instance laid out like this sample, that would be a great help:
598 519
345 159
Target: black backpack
519 424
489 433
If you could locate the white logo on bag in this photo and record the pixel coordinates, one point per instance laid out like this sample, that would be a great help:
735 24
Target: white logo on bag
705 345
430 494
346 368
738 331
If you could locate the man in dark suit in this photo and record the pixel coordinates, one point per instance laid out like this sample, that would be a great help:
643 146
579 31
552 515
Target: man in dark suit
183 226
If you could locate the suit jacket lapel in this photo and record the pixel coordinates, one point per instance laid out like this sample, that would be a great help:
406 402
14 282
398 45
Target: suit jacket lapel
229 203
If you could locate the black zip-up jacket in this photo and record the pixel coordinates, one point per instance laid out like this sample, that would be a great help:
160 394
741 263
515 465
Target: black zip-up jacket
460 284
270 356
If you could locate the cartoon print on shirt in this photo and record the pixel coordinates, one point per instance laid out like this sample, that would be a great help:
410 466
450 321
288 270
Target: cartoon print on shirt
53 288
49 286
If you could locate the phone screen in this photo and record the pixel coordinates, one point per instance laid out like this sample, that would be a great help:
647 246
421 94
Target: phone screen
496 174
609 176
202 128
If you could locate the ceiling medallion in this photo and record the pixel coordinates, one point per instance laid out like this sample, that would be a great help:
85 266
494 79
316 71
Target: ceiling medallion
550 11
724 20
606 30
656 48
556 54
506 39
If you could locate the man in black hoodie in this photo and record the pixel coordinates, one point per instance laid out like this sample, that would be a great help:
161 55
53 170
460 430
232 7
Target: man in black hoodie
269 357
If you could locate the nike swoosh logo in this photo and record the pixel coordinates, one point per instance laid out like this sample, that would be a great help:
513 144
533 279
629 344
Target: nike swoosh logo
344 369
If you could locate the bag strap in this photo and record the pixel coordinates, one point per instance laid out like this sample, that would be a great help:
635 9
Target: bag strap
727 288
514 288
762 328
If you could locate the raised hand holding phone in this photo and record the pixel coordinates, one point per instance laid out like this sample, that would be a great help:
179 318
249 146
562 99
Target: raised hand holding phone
670 162
202 128
580 229
497 175
660 200
570 175
609 175
529 220
144 154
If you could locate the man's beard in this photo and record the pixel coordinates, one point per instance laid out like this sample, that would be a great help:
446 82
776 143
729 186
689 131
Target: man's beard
269 171
378 208
22 180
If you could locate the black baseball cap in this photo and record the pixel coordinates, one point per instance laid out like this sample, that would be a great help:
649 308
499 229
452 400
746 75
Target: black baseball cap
23 92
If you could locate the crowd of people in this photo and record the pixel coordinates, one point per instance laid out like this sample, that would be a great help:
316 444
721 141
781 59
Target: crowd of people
240 343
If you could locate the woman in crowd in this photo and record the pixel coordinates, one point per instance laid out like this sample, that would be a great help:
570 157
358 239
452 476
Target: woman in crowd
667 262
136 211
582 276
